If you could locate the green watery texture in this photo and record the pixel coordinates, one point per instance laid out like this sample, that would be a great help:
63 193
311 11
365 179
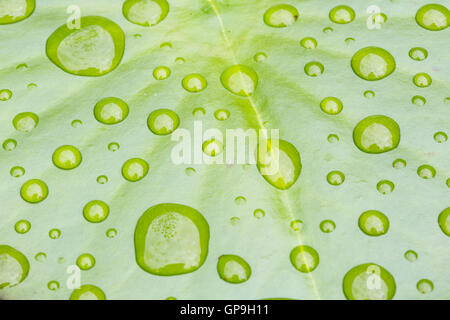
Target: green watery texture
231 64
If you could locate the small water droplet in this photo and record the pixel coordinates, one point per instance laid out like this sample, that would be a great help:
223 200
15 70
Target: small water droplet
440 137
135 169
411 255
96 211
259 213
86 261
373 223
333 138
234 221
22 67
369 94
163 122
161 73
304 258
433 17
422 80
240 200
198 112
88 292
212 147
327 226
25 121
233 269
9 144
222 114
179 60
297 225
34 191
376 134
240 80
5 94
281 16
113 146
314 68
373 63
54 234
331 105
418 101
111 233
17 172
399 164
22 226
385 186
102 179
53 285
190 172
342 14
260 57
111 110
40 257
426 171
145 13
327 30
194 82
425 286
76 123
418 54
308 43
66 157
335 178
444 221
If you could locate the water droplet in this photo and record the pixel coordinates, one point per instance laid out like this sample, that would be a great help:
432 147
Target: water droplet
146 13
34 191
385 186
54 234
327 226
113 146
259 213
212 147
304 258
76 123
399 164
373 223
165 45
40 257
180 60
240 200
32 86
378 18
448 182
14 267
135 169
418 54
17 172
327 30
342 14
171 298
333 138
376 134
161 73
281 16
335 178
349 41
25 121
171 239
22 67
308 43
12 11
194 82
260 57
444 221
418 100
5 94
102 179
440 137
331 105
279 163
9 144
411 255
369 94
22 226
53 285
95 49
426 171
373 63
198 112
88 292
314 69
233 269
111 233
66 157
422 80
297 225
234 221
369 281
190 172
163 122
240 80
111 110
425 286
96 211
86 261
433 17
222 114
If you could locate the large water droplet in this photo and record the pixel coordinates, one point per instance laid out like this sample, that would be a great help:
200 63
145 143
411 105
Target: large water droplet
12 11
111 110
34 191
433 17
95 49
171 239
194 82
304 258
376 134
96 211
67 157
135 169
280 165
281 16
163 121
240 80
342 14
373 223
233 269
25 121
88 292
146 13
444 221
372 63
14 267
369 281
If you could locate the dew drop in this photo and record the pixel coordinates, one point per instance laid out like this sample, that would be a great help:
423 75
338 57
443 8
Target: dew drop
88 292
327 226
235 221
212 147
349 41
259 213
17 172
335 178
5 94
53 285
369 94
194 82
171 239
86 261
444 221
145 13
373 223
281 16
418 101
96 211
222 114
163 122
333 138
76 123
411 255
67 157
399 164
25 121
418 54
179 60
314 68
372 63
425 286
166 45
422 80
279 163
111 110
32 86
304 258
135 169
198 112
111 233
376 134
342 14
385 186
54 234
14 267
34 191
95 49
190 172
233 269
161 73
102 179
327 30
40 257
297 225
240 200
22 226
9 144
440 137
433 17
12 11
426 171
308 43
240 80
331 105
113 146
369 281
22 67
